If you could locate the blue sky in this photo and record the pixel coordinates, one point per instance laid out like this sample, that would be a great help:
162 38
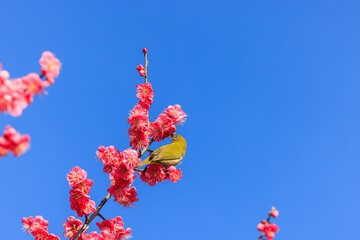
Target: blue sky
271 89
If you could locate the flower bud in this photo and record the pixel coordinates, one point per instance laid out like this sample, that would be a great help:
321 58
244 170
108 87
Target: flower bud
139 68
142 73
274 213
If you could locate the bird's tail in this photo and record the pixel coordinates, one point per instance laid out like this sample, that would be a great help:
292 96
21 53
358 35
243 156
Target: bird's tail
142 163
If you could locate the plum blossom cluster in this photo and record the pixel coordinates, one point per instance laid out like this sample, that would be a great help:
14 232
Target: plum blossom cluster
141 131
157 173
112 229
72 226
17 94
14 142
166 123
139 117
37 227
121 166
79 198
268 229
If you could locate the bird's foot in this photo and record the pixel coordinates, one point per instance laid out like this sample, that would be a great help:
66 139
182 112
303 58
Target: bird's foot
144 171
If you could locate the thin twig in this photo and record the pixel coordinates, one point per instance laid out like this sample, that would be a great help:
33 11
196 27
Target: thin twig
146 64
146 148
91 218
146 80
101 216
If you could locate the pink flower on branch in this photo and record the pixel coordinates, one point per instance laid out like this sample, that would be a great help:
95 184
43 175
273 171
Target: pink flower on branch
79 200
91 236
50 65
17 94
115 226
14 142
174 174
266 228
71 226
274 213
121 166
153 174
166 123
38 228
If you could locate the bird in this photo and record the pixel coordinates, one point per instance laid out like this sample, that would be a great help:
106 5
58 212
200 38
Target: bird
167 155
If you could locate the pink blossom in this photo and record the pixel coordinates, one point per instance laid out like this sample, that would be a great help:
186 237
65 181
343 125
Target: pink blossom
115 226
127 197
37 227
79 200
174 175
138 131
105 235
123 172
106 225
3 151
165 124
52 237
154 173
124 234
109 156
139 138
274 213
14 142
140 67
32 84
78 197
91 236
4 76
89 208
142 73
146 103
120 182
261 226
17 94
50 65
21 146
130 158
84 186
175 114
76 176
27 222
145 91
72 226
81 203
118 224
268 228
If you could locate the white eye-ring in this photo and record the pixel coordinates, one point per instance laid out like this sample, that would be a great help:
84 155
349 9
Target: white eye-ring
176 137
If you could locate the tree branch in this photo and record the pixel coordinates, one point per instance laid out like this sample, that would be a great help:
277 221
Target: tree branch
141 153
97 212
91 218
146 64
268 221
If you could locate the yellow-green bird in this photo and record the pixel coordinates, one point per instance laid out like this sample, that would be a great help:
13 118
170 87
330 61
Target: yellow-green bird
167 155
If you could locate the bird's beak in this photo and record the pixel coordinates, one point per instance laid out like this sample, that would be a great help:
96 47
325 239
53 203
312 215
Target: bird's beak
172 135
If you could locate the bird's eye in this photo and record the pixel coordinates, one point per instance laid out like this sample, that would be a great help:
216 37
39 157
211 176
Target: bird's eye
176 137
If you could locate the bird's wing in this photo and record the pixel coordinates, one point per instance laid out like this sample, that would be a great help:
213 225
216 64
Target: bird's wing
159 154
